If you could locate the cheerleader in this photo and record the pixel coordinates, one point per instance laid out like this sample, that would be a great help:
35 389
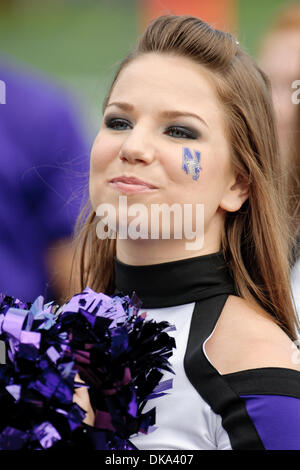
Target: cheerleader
188 120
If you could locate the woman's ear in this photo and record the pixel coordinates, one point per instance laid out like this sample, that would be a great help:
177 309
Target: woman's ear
236 193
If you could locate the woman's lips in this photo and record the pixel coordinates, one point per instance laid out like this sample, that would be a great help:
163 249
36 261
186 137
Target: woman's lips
131 185
131 188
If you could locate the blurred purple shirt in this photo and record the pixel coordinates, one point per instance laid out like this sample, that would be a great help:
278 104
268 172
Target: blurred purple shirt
43 169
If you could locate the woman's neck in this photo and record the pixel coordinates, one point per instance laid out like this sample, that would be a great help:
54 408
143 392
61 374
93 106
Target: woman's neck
147 252
178 282
142 252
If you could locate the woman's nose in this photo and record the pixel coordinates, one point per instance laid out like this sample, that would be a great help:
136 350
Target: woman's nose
137 148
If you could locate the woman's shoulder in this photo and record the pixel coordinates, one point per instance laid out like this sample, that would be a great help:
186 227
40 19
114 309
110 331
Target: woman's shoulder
260 377
246 337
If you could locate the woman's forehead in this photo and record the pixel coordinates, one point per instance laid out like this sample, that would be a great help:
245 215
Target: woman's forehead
163 80
165 69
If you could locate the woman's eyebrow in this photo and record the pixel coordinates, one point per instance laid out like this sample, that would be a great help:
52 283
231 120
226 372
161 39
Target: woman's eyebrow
165 114
122 105
175 114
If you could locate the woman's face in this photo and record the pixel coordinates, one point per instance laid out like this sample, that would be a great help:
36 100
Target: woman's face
163 112
280 59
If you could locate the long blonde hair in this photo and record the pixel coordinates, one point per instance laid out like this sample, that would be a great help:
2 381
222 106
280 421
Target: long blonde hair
256 240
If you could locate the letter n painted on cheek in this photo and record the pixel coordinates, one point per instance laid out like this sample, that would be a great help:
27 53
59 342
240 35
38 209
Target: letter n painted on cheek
190 163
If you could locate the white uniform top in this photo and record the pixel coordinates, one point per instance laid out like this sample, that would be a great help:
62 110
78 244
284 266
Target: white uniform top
183 419
251 409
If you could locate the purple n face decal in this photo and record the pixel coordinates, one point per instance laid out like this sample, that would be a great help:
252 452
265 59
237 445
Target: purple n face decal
191 163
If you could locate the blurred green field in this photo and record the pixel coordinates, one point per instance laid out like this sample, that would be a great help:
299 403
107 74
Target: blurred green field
79 42
68 37
254 18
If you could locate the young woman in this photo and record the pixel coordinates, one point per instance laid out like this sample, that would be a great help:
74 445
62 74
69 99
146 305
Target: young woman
280 59
188 120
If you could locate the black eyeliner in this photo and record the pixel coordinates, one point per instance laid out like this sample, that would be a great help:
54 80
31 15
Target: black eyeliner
191 133
108 120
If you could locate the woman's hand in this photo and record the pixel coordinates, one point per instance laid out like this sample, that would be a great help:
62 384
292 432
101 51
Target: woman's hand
81 397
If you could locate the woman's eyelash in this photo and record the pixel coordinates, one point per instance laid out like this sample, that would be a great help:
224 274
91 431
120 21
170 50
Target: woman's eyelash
116 123
182 133
176 132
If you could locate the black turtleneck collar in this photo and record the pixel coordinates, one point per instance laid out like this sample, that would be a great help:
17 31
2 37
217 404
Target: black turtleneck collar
176 282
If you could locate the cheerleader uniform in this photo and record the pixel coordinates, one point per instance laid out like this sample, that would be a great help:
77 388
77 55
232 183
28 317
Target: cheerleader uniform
252 409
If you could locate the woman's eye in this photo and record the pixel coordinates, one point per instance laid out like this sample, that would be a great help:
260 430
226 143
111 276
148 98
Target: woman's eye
181 133
117 124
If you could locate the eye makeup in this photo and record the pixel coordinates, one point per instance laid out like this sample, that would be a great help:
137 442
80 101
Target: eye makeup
191 163
177 131
181 132
116 122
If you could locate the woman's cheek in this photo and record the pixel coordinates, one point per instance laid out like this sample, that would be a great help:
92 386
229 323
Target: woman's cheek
191 162
184 166
103 152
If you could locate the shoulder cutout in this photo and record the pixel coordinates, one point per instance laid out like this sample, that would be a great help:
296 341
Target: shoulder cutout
246 337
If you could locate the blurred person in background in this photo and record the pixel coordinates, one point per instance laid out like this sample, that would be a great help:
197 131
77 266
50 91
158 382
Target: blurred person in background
280 59
44 164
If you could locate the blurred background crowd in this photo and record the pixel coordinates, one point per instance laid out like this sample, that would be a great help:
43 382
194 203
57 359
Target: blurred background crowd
57 58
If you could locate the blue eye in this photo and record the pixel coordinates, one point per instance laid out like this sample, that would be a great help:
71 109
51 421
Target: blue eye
117 124
181 133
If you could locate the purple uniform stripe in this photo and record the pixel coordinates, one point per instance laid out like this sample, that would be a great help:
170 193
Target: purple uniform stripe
277 420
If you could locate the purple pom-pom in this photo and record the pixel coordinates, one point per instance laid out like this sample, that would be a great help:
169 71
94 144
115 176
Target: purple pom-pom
116 352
